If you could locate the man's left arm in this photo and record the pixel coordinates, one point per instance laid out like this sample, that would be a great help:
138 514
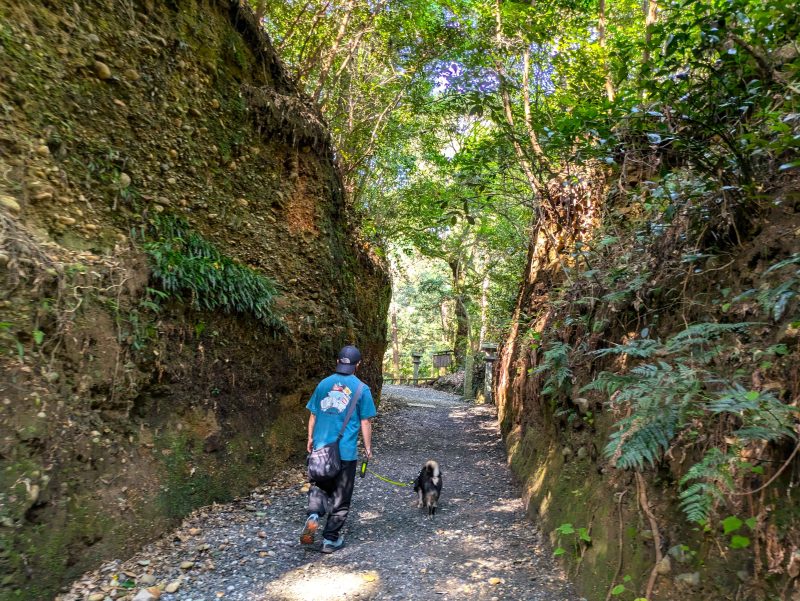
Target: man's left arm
366 412
366 433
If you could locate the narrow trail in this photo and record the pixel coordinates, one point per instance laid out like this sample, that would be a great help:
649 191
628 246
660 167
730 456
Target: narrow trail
478 546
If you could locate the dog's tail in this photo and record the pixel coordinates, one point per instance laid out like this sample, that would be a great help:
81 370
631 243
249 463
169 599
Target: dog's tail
433 471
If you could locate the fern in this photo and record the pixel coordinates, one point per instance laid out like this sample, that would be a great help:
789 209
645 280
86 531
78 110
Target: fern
660 395
775 300
698 334
763 416
555 363
694 336
712 477
185 264
643 348
642 440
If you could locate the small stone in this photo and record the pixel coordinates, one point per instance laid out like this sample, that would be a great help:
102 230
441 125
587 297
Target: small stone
124 180
194 531
743 575
10 203
242 202
688 578
4 259
148 594
582 453
678 553
664 566
43 150
172 181
146 579
96 597
187 565
52 376
141 562
43 196
173 153
172 586
582 404
132 75
93 38
494 581
102 70
566 452
66 220
793 569
646 535
215 104
33 493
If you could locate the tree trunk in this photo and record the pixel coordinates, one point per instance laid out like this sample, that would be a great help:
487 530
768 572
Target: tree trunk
460 346
650 13
395 345
334 49
484 310
445 315
601 28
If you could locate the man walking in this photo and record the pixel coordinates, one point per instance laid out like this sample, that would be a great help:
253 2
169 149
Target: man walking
329 408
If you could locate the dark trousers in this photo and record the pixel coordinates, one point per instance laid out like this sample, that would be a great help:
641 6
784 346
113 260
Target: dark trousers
333 495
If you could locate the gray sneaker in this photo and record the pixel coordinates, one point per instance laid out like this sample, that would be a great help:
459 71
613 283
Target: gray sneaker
329 546
310 528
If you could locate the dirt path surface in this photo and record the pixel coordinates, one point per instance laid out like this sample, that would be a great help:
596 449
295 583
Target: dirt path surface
478 546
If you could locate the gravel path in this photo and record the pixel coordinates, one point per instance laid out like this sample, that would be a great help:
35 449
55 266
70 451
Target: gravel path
479 544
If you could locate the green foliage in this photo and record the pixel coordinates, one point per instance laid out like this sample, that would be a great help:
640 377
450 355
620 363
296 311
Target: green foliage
675 395
581 536
731 524
555 363
185 264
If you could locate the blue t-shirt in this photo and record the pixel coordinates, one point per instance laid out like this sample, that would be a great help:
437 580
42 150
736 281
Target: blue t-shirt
329 403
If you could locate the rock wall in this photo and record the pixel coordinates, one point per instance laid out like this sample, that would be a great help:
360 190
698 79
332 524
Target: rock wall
123 407
604 283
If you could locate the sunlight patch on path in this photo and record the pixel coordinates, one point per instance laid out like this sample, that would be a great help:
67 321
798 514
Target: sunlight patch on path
310 584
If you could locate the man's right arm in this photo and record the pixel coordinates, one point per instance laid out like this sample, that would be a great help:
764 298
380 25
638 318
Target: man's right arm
311 421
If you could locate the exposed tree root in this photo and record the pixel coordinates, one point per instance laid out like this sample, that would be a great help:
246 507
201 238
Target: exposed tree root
619 561
640 485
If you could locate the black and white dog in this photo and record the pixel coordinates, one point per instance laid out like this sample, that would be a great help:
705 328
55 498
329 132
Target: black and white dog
428 486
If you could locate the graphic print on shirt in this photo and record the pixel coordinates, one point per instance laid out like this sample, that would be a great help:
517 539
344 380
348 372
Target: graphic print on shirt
337 399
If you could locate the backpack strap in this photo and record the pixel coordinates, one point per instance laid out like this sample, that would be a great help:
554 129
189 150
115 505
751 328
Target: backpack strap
350 409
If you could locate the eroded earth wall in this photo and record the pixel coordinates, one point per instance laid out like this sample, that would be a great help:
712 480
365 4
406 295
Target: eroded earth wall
124 403
706 308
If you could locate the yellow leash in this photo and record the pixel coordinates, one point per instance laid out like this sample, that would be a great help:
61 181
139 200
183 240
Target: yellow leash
365 469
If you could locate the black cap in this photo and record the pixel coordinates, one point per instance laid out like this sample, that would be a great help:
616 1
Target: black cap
349 356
